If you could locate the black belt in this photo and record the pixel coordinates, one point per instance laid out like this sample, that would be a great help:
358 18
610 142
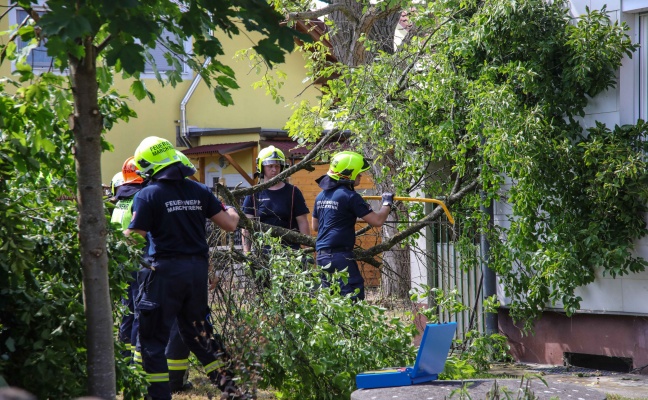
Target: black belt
332 250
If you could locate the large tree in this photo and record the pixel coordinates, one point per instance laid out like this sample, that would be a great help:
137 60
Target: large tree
90 40
353 24
489 95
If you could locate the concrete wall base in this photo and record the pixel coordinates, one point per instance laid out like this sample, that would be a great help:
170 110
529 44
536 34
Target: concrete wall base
594 334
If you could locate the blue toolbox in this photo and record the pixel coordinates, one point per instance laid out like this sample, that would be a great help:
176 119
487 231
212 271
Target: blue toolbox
430 360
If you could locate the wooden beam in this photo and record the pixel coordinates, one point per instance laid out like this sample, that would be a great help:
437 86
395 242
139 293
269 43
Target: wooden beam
241 171
255 154
201 166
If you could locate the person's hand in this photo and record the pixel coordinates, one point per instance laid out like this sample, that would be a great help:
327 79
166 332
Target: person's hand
226 207
388 199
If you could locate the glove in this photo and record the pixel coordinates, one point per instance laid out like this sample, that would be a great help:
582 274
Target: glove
388 199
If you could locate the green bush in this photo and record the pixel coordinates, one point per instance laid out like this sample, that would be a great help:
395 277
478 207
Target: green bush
307 342
42 319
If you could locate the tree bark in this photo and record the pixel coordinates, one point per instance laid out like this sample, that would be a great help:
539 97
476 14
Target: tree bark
352 20
87 125
395 274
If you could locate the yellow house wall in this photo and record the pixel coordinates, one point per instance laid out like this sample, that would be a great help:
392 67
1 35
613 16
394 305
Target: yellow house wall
252 108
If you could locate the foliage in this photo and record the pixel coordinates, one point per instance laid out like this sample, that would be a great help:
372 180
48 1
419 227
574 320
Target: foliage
305 341
457 368
123 32
474 351
116 35
491 95
42 321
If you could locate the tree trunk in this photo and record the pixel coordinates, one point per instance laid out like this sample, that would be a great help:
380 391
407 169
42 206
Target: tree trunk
352 23
86 124
395 274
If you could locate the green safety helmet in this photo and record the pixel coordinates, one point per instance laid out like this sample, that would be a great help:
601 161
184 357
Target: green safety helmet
116 182
270 155
153 154
347 165
185 160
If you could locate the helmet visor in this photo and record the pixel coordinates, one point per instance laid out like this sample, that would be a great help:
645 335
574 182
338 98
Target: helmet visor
272 162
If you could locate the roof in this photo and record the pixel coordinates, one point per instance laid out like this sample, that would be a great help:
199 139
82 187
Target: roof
223 148
293 149
290 148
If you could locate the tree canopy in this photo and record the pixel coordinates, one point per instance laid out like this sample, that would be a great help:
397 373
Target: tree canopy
490 95
89 41
480 95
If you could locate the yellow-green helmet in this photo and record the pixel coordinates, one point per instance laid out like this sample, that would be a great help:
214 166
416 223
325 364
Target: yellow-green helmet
153 154
116 182
185 160
270 155
347 165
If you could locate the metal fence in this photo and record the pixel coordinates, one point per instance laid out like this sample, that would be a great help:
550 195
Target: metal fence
445 272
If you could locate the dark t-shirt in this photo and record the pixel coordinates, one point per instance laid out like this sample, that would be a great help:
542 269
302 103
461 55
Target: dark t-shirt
336 211
174 213
275 207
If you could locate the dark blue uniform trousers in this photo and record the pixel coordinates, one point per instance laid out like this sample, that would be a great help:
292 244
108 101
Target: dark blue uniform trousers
175 289
128 327
177 354
339 261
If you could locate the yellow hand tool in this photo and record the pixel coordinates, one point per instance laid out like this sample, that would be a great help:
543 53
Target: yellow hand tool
420 200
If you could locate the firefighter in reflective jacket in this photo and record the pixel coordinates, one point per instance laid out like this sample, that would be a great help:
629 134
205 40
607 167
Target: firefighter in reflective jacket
125 185
172 210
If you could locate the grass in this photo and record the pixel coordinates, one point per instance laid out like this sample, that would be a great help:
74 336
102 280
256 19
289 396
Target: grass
203 389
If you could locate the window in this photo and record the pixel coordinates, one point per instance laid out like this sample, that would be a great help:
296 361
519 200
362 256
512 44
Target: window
158 55
40 61
37 58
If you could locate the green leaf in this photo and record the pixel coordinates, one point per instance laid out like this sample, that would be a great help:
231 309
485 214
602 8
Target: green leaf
129 56
138 89
269 51
11 344
227 81
223 96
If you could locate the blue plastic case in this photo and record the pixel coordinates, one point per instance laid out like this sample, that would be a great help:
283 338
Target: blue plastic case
429 363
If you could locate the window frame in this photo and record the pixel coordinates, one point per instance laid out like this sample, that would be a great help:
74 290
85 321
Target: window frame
148 72
40 8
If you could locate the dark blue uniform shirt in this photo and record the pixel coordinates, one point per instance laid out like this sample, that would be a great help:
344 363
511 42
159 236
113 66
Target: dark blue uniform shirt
276 207
279 207
336 211
174 213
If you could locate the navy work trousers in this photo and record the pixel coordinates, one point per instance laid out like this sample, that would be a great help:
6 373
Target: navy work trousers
339 261
177 354
128 327
176 288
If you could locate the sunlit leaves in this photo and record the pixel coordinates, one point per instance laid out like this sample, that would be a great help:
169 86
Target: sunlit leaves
488 92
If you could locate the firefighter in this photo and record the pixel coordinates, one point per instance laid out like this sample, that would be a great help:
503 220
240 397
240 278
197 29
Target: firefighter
177 352
125 185
336 209
282 204
172 210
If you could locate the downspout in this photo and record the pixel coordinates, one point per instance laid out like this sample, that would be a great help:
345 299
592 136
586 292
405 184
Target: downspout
184 129
488 275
